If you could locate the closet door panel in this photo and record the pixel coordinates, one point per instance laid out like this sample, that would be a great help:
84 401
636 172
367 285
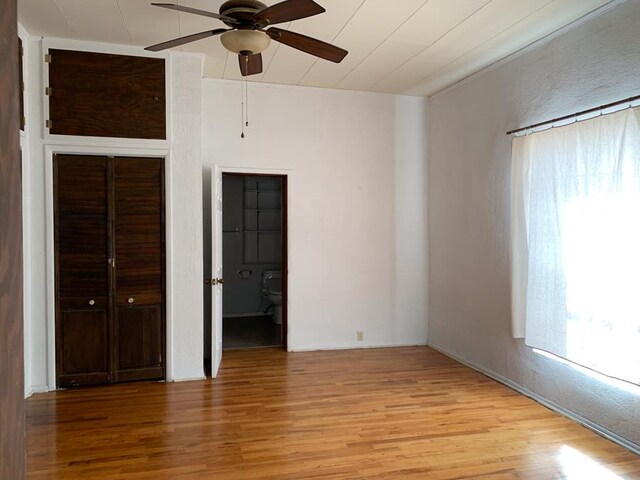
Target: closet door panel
85 343
83 255
140 343
82 269
139 280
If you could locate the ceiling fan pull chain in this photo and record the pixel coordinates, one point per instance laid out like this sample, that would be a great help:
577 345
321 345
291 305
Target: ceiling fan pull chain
246 91
242 109
245 96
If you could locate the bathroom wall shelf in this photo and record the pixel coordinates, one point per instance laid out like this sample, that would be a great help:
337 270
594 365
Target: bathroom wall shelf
262 220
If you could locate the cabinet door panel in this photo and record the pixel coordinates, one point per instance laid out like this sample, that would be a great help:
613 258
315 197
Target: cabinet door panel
106 95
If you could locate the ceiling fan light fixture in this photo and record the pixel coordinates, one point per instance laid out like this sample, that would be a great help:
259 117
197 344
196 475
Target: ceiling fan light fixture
242 41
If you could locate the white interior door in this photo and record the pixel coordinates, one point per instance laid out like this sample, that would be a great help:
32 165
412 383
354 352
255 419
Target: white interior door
216 281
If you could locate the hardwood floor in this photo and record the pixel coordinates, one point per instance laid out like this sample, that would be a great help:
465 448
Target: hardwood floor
396 413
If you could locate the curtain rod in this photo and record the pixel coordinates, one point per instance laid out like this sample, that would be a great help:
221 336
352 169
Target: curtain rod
583 112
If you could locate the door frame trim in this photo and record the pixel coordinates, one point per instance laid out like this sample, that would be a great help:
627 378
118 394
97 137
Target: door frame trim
288 177
104 150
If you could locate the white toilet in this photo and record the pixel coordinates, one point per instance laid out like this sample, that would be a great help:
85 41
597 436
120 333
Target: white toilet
272 288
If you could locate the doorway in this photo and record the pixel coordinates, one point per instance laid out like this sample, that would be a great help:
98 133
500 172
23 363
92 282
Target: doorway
253 255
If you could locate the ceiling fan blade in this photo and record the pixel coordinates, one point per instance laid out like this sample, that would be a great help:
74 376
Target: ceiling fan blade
195 11
307 44
250 64
287 11
182 40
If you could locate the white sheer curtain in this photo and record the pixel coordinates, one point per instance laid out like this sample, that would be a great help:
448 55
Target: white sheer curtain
576 242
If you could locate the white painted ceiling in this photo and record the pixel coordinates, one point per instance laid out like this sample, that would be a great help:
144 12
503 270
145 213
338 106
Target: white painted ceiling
414 47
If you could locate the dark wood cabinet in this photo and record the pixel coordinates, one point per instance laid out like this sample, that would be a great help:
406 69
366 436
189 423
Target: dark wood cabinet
106 95
109 241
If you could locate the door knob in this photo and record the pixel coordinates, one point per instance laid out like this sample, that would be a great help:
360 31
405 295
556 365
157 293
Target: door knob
130 300
92 302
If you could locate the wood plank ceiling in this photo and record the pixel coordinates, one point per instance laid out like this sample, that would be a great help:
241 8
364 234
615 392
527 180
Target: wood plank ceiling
414 47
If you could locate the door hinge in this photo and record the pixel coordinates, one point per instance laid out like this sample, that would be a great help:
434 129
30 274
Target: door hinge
48 91
48 124
47 57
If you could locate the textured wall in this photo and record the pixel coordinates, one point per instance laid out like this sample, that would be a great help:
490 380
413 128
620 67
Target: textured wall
26 254
185 329
469 185
34 218
357 212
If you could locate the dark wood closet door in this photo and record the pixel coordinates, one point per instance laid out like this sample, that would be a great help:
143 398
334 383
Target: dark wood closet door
138 213
82 270
109 234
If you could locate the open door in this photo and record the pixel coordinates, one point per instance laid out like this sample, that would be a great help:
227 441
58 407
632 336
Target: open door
216 281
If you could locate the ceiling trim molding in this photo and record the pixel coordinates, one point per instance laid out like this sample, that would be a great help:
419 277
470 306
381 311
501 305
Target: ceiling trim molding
532 46
288 86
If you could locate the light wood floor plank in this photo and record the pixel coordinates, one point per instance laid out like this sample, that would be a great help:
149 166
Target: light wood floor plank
395 413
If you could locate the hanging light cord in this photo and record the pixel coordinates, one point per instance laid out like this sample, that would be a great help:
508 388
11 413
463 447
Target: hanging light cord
244 103
246 100
242 86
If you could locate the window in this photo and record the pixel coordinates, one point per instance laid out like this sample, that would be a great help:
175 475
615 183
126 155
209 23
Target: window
576 242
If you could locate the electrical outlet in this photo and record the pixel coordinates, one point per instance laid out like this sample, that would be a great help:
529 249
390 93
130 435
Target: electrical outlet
360 336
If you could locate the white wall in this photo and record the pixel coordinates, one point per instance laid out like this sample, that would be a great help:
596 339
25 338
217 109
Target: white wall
357 207
184 275
183 211
26 226
469 185
34 219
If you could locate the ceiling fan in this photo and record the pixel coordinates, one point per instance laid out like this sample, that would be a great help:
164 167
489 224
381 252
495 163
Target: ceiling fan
247 36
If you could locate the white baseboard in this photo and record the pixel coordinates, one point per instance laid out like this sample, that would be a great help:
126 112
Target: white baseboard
44 388
608 434
190 379
356 347
37 389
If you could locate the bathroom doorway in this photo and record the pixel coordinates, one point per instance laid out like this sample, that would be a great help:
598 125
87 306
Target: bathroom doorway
254 249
